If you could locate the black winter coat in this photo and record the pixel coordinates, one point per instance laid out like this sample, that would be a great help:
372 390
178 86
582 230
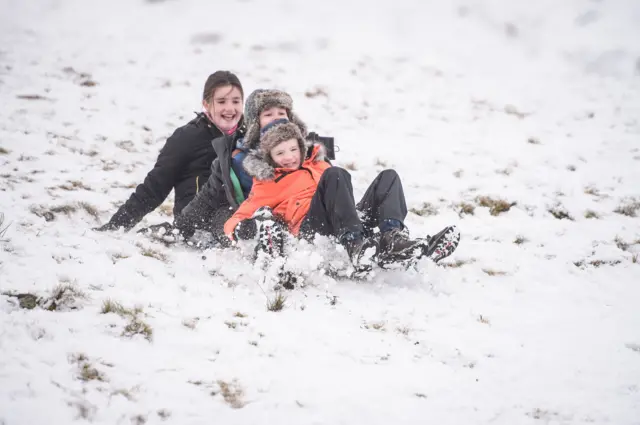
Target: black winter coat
183 165
216 201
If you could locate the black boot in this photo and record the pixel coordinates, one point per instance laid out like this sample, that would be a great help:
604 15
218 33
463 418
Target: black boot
396 246
443 243
362 251
271 233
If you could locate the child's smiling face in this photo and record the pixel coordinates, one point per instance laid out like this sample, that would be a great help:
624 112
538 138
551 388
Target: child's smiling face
286 154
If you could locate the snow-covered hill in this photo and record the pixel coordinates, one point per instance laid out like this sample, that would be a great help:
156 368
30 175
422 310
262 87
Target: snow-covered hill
534 319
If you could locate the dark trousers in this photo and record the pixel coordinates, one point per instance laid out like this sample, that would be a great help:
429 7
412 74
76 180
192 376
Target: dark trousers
333 210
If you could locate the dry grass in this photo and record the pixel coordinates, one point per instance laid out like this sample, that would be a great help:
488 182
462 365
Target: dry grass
138 327
533 141
316 91
351 166
404 330
74 185
512 110
634 259
277 303
492 272
232 393
629 207
152 253
381 163
560 213
596 263
90 209
110 306
239 314
466 209
378 326
63 296
190 323
519 240
4 151
620 243
164 414
591 214
456 264
3 228
496 206
86 371
118 256
484 319
590 190
426 210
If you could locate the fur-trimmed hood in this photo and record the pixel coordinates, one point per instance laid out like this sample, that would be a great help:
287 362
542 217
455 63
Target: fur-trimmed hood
258 165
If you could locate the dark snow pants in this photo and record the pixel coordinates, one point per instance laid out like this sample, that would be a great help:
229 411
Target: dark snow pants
333 210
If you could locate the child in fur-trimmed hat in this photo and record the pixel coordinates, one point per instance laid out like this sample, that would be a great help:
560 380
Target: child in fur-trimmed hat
295 185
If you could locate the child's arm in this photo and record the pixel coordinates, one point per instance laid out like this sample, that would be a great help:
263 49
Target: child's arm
257 198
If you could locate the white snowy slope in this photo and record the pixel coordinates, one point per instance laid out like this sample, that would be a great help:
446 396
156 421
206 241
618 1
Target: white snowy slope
535 318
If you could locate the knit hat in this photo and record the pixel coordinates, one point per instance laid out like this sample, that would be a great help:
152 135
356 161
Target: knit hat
277 132
258 101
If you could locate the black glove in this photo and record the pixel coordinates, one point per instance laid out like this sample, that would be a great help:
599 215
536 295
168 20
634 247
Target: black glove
246 229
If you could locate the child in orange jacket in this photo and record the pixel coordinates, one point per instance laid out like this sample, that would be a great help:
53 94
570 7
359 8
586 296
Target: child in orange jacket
293 181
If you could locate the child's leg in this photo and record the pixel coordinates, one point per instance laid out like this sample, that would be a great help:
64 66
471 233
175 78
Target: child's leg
332 210
383 200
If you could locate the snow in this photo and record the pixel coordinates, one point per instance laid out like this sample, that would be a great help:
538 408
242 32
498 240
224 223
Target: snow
535 103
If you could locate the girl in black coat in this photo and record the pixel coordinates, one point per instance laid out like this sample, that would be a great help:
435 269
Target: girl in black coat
184 163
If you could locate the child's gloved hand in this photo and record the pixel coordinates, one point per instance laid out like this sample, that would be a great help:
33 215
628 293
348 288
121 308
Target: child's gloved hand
246 229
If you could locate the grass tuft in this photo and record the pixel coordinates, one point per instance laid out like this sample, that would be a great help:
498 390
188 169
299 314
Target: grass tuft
519 240
378 326
404 330
492 272
456 264
484 319
591 214
3 228
426 210
591 190
629 208
620 243
137 327
351 166
90 209
153 253
466 209
4 151
232 393
277 303
560 213
496 206
86 371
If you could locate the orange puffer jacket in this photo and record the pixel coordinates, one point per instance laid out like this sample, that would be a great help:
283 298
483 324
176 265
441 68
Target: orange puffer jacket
288 193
